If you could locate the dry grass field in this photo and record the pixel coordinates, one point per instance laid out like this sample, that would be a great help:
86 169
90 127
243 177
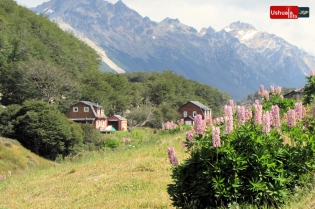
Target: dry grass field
135 175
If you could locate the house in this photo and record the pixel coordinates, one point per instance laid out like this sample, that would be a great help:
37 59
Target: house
118 122
297 94
189 110
88 112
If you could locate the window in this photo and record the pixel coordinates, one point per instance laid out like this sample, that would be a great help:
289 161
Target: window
86 109
188 123
194 113
185 114
75 109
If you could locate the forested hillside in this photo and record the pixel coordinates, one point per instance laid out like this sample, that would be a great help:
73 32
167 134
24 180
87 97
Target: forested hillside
40 61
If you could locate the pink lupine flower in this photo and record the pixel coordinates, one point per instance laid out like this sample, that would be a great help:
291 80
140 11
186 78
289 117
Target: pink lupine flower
298 111
258 113
232 104
216 142
200 126
241 117
190 136
126 140
9 173
183 145
266 94
281 96
171 156
226 110
261 90
272 89
165 126
208 119
228 119
312 73
228 125
291 118
275 112
266 122
278 90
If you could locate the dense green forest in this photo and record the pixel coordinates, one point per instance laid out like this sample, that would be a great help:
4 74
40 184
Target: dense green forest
40 61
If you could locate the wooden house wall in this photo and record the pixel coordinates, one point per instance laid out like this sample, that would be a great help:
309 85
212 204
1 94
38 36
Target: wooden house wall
100 123
80 113
190 108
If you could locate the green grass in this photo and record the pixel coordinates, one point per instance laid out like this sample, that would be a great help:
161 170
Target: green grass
17 159
134 175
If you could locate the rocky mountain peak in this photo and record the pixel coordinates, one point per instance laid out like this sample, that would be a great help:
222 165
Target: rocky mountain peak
168 21
236 59
240 26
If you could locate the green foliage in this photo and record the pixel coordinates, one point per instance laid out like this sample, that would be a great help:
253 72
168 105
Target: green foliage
42 129
157 96
250 168
284 104
92 139
309 90
111 143
38 60
256 96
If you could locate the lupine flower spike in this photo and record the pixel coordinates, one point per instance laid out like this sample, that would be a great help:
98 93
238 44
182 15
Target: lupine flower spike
171 156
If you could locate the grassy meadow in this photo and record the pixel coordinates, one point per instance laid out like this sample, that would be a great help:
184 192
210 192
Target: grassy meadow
133 175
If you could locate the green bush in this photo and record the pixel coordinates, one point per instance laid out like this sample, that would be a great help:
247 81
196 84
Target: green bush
250 167
111 143
42 128
92 139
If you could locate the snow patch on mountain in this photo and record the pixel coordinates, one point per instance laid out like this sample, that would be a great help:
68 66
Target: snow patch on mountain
228 29
48 11
246 35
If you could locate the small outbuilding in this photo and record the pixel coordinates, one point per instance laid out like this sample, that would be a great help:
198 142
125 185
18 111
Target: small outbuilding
297 94
118 122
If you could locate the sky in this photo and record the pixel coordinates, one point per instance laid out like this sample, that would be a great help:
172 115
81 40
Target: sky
220 13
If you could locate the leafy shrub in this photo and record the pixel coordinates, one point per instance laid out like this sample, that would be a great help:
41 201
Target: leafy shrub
111 143
92 139
283 103
41 128
309 89
249 165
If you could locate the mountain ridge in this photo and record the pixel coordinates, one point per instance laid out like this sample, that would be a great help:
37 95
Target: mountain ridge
232 62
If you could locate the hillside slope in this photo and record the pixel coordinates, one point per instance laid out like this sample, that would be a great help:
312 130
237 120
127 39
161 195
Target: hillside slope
16 159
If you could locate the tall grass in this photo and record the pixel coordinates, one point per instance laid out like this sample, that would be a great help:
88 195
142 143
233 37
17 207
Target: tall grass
134 175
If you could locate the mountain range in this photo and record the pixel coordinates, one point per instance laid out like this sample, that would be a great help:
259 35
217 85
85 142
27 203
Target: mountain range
237 59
